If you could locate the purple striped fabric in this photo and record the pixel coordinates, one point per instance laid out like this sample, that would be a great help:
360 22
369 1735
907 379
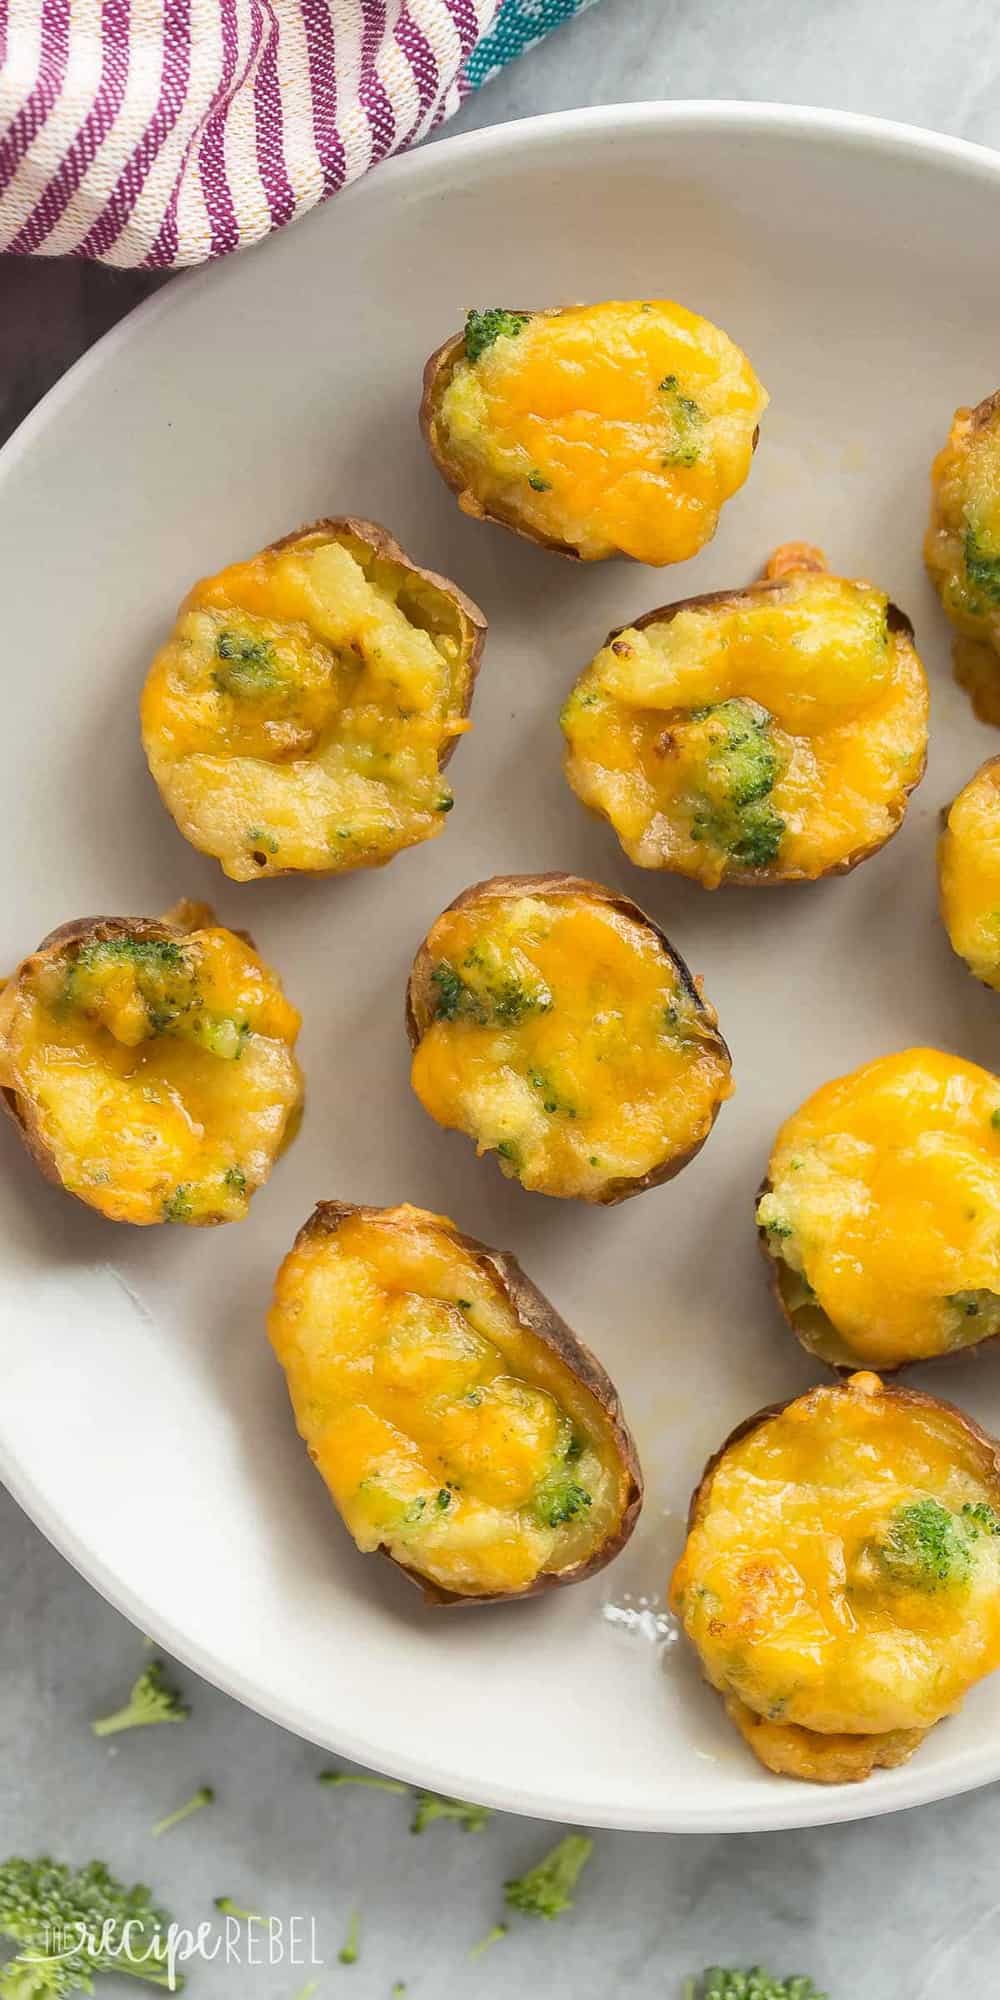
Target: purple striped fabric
165 132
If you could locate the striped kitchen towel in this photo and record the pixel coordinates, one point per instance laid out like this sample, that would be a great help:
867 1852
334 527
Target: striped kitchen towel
158 133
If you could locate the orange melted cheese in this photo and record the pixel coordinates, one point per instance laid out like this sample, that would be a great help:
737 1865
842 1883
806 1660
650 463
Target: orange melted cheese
962 549
566 1041
790 1586
155 1074
969 873
298 715
884 1197
830 732
620 428
447 1432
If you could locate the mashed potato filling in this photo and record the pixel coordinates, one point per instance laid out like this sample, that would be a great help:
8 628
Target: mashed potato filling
447 1432
614 428
565 1039
154 1069
841 1579
883 1209
299 712
969 874
777 729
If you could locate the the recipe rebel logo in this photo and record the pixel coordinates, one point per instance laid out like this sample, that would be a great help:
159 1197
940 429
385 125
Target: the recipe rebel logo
129 1947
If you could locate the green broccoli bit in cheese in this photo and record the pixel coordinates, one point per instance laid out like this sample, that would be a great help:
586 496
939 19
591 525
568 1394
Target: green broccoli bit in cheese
177 1207
739 769
489 988
258 836
686 419
483 328
248 666
971 1317
165 984
982 567
560 1497
538 482
927 1547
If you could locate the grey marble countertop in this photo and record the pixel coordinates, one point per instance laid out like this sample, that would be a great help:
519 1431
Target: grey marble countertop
896 1909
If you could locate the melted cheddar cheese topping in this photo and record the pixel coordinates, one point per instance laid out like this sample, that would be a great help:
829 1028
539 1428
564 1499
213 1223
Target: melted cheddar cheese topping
564 1038
153 1070
446 1430
842 1573
299 713
883 1210
969 873
962 549
620 428
774 733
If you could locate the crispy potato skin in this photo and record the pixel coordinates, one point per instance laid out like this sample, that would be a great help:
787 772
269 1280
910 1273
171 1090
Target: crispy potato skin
976 651
438 372
968 860
783 572
874 1086
534 1313
788 1749
380 546
498 888
186 916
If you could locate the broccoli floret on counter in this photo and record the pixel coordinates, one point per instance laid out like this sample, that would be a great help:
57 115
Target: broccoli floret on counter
152 1700
720 1984
73 1922
926 1547
350 1950
430 1806
483 328
547 1889
227 1908
203 1797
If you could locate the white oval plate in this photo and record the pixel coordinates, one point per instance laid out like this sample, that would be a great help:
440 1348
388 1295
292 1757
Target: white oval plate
143 1422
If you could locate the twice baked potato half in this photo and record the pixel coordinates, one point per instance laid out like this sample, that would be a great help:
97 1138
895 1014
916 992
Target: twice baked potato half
841 1577
618 429
300 714
969 873
880 1214
962 549
460 1426
148 1064
771 734
553 1022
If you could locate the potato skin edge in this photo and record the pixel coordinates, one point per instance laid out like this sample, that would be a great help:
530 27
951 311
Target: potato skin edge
769 878
534 1311
498 888
436 372
81 931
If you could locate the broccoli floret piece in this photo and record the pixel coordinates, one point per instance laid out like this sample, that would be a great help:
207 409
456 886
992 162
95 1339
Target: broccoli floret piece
350 1950
538 482
431 1806
686 418
203 1797
546 1889
982 568
235 1178
926 1546
495 996
227 1908
151 954
452 991
307 1991
560 1499
741 766
152 1700
367 1778
177 1207
249 666
978 1515
720 1984
483 328
493 1936
69 1923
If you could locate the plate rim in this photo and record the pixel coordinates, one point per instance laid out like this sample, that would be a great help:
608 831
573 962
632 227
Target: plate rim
802 1806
